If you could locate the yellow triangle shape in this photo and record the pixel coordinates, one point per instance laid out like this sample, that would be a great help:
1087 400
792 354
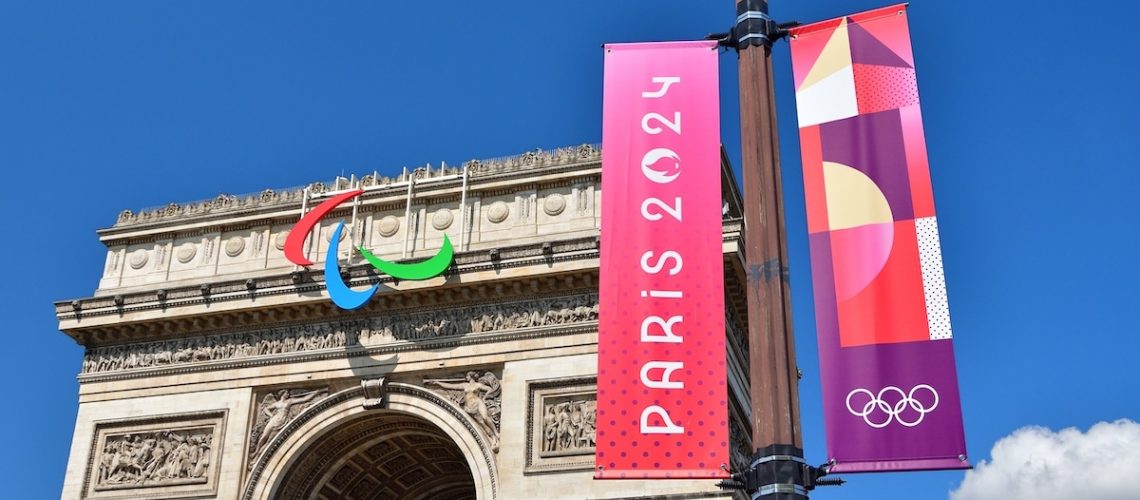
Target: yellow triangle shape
836 55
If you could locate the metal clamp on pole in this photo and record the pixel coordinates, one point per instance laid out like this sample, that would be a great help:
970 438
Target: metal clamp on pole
754 27
778 472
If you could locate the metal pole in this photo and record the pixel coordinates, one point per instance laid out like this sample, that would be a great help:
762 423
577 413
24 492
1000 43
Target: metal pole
463 213
408 212
304 209
355 208
773 372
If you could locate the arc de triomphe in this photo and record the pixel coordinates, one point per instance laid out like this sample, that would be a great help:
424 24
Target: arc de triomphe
215 368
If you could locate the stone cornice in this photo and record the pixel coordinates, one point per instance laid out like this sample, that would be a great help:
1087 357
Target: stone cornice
270 203
234 304
312 307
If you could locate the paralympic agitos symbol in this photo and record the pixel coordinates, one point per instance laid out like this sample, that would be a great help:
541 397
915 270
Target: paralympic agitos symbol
341 295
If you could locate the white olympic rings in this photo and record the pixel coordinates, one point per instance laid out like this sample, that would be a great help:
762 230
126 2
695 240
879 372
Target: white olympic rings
876 405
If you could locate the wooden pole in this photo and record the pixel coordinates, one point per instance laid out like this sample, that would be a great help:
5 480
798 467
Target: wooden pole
773 372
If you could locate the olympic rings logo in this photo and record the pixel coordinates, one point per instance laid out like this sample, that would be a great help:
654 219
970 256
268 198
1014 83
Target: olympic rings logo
909 410
341 295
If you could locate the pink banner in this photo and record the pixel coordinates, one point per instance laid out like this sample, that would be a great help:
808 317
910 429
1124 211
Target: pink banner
662 400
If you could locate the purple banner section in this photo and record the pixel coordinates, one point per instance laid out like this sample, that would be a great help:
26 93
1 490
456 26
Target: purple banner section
890 387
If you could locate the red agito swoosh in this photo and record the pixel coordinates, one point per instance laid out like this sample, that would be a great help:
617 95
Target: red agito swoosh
296 238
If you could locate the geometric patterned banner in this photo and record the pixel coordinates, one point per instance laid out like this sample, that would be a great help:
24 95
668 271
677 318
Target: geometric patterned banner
889 383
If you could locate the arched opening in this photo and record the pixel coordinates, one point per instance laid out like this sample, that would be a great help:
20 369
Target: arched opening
380 455
312 449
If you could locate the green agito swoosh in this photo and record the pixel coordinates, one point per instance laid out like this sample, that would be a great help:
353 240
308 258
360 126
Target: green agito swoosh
423 270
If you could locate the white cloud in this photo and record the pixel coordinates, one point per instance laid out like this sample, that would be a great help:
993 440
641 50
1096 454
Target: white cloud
1035 463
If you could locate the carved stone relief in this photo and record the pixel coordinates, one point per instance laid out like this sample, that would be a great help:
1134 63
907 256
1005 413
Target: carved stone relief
155 458
524 207
472 319
112 263
208 255
583 202
568 424
276 409
160 261
169 456
561 424
479 394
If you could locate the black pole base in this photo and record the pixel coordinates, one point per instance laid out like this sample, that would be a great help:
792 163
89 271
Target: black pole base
779 472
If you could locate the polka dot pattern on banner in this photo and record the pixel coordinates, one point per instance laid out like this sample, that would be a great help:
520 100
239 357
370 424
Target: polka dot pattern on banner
880 88
933 280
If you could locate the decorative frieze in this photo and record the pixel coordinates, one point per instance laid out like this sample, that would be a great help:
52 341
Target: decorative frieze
416 326
168 456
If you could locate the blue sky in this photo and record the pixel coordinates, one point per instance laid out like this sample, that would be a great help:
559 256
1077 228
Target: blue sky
1029 115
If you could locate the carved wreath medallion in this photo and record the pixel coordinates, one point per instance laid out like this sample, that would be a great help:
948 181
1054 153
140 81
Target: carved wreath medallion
235 246
442 219
186 252
554 204
388 226
498 212
138 259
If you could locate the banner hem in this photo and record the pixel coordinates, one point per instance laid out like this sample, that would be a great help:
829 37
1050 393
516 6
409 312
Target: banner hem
661 474
922 464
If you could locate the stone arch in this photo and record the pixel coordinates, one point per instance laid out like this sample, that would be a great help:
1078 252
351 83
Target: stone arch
286 450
